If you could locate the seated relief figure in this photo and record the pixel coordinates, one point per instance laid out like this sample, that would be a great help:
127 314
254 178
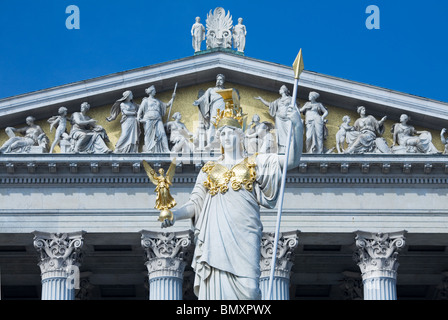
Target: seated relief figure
279 110
315 129
367 134
260 138
87 136
410 140
130 126
150 113
33 135
179 135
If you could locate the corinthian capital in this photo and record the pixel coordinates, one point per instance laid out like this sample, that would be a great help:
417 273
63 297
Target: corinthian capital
165 252
59 252
377 254
287 242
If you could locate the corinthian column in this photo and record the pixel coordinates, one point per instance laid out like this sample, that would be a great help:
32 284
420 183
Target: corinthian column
60 258
377 257
287 242
165 254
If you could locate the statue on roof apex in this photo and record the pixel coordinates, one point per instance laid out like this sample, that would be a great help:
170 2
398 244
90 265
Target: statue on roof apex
239 36
219 25
33 136
198 34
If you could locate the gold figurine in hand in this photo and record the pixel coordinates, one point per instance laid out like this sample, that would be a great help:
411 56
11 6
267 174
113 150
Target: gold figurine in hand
164 200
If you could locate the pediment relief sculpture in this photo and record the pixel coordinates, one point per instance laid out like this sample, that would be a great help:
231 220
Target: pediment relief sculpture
152 126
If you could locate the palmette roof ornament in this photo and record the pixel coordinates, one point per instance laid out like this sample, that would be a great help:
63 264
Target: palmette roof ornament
219 25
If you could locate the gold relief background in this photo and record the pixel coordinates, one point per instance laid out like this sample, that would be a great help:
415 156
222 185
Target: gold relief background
184 104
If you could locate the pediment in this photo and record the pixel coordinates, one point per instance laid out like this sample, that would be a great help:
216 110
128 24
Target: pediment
250 76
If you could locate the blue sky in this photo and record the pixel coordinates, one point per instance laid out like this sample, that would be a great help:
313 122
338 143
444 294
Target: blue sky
409 52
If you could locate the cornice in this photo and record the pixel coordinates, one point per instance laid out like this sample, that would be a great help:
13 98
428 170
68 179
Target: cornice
317 170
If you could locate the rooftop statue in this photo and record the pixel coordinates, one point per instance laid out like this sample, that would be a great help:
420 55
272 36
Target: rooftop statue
33 135
410 140
225 208
367 134
60 121
239 36
219 25
88 137
130 126
150 113
279 110
316 130
198 34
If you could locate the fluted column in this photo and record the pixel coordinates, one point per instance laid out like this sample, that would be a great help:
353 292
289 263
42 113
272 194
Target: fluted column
287 242
165 253
377 257
60 258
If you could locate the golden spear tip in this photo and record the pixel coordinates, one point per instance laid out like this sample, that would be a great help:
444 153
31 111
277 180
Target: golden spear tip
298 65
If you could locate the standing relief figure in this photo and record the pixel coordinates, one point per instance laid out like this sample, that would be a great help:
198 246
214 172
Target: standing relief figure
316 131
219 25
130 128
33 135
279 110
60 121
150 114
344 134
209 103
198 34
239 36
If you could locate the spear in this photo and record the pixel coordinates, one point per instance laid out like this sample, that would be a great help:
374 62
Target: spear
298 68
169 112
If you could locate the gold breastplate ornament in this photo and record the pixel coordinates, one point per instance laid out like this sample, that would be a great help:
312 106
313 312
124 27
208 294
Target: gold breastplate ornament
240 175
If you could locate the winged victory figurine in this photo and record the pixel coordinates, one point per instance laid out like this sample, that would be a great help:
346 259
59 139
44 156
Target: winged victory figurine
164 200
